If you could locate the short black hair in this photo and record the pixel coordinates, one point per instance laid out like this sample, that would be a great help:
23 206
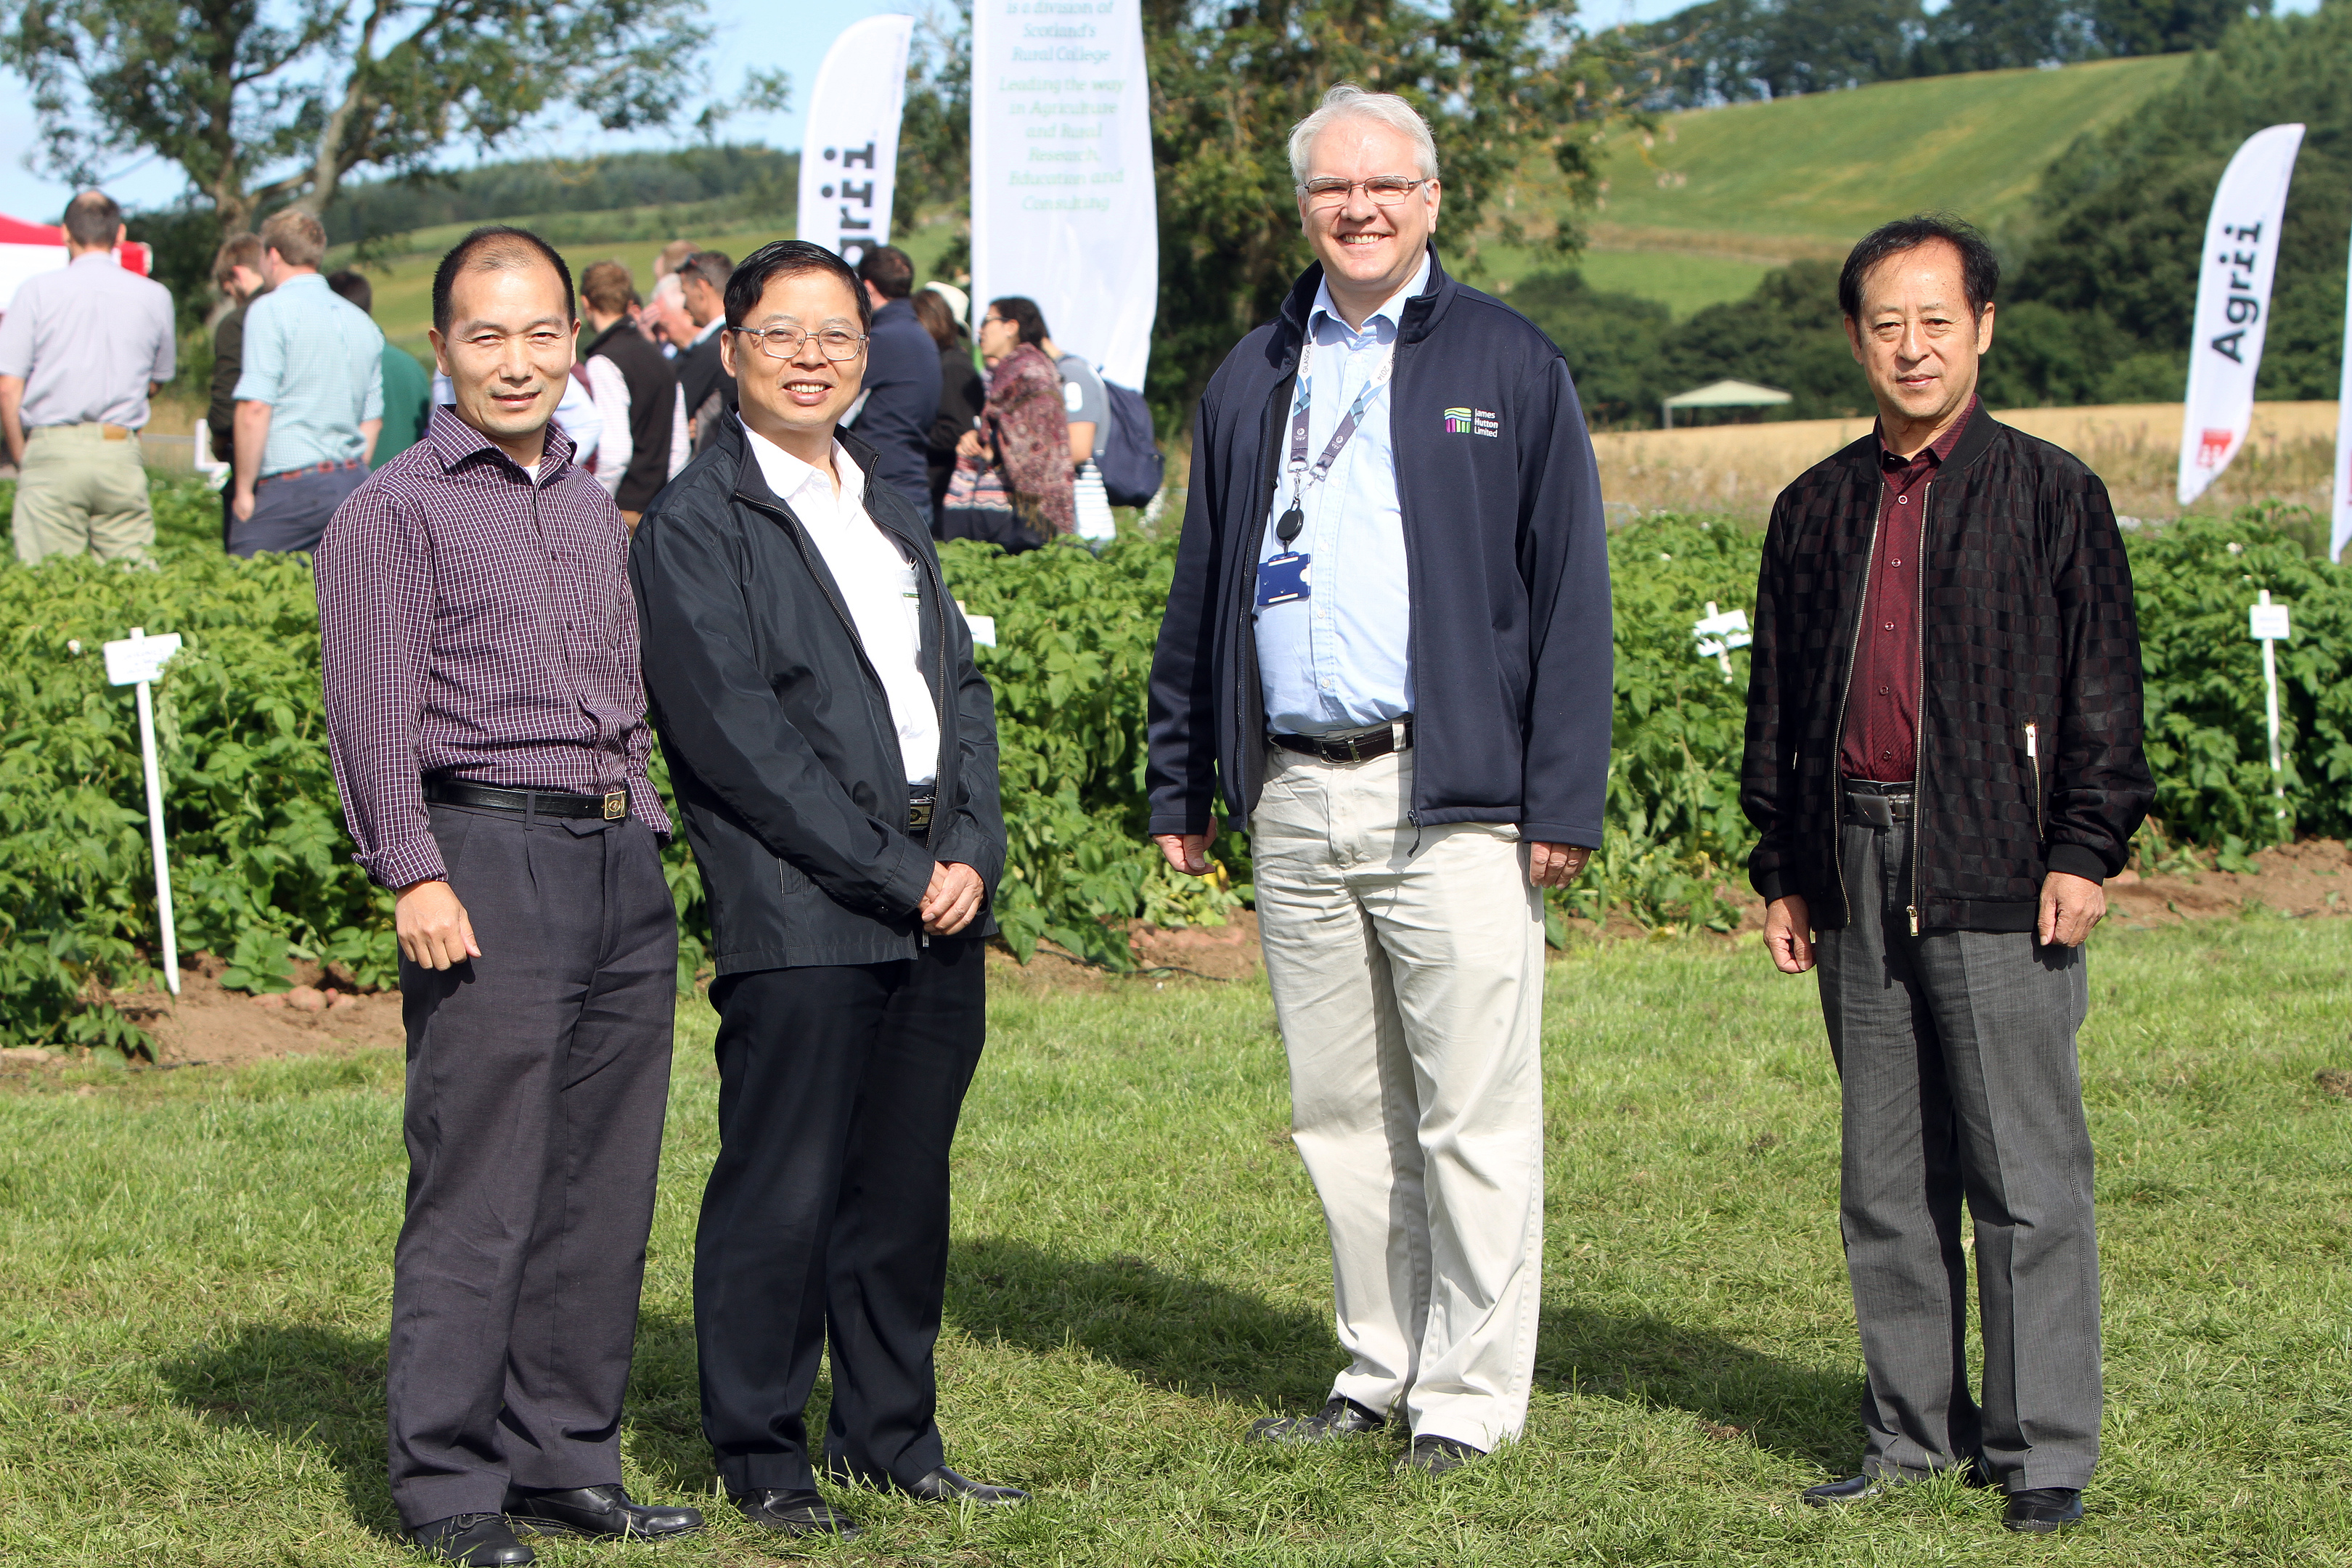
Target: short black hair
92 218
787 259
889 270
713 266
354 288
1980 268
494 248
1026 319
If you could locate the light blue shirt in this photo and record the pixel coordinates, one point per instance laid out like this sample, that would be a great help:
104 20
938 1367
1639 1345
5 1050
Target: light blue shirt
1341 658
318 360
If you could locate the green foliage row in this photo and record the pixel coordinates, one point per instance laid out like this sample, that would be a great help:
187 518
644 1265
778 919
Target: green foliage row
262 873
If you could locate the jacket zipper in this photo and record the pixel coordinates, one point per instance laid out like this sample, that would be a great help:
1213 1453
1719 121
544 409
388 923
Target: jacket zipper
2034 762
1846 701
1919 698
873 675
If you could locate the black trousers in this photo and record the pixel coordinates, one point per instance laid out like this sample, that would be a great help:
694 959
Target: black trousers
1002 528
538 1075
826 1217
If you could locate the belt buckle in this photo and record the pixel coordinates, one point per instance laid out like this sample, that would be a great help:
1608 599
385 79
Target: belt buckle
616 804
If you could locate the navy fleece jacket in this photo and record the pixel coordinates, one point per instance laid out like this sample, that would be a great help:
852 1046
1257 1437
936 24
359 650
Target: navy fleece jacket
1510 645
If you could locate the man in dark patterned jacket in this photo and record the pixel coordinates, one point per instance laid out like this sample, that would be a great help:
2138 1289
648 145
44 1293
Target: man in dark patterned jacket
1944 762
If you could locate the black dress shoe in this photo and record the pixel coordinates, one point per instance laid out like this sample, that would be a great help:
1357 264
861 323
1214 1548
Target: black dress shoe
1437 1456
2044 1510
1853 1489
603 1510
1342 1417
480 1540
944 1485
792 1512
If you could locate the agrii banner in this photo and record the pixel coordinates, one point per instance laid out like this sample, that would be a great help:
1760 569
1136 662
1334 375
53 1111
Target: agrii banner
2341 529
849 155
1062 203
2234 303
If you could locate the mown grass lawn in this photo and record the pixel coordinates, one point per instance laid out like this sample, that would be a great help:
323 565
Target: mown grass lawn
194 1273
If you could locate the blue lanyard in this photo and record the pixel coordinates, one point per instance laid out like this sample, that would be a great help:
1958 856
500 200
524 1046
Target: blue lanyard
1301 476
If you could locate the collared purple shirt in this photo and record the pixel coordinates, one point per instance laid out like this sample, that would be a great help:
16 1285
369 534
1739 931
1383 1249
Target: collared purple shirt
478 625
1882 723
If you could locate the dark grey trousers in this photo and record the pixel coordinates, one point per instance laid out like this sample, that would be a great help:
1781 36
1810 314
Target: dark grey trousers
538 1075
291 514
1956 1057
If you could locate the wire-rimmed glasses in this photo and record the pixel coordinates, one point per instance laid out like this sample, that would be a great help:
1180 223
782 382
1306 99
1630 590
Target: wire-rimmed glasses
785 342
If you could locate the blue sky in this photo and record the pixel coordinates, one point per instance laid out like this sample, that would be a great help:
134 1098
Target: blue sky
752 34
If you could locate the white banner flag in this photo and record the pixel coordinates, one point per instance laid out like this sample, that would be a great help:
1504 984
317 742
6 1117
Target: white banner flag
1062 203
2233 304
849 157
2341 529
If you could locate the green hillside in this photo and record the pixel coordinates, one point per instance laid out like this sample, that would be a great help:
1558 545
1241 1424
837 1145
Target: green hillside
1806 176
1695 213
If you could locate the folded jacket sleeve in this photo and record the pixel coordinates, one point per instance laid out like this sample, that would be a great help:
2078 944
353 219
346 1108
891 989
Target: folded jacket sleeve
2101 787
1572 660
1181 768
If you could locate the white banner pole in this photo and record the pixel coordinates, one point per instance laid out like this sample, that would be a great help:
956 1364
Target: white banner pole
2267 622
2341 528
137 662
2233 302
849 155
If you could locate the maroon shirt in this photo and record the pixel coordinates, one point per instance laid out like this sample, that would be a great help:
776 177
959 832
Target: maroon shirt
475 621
1882 705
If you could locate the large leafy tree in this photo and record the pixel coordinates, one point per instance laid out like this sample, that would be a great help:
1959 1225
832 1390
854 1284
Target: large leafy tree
269 107
1501 82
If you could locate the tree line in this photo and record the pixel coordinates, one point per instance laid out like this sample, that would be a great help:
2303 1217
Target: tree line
1723 51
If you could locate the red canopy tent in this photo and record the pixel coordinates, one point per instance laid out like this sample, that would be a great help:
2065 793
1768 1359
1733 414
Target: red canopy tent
29 247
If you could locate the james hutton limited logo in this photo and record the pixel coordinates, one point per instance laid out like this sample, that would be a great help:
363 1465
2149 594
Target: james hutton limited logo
1473 422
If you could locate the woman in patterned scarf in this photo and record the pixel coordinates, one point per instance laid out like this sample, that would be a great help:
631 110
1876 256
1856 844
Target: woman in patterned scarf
1012 481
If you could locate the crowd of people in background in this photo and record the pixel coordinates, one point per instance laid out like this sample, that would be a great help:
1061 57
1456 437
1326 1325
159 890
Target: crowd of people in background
999 439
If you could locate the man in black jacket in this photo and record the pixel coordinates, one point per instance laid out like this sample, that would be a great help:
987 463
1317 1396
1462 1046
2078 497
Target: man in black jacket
702 372
833 751
1387 649
1944 762
643 442
902 377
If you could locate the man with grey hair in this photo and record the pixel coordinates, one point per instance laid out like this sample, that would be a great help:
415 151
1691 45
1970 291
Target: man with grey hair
701 373
1387 650
81 350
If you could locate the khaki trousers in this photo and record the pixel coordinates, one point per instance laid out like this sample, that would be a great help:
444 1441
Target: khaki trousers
80 493
1408 982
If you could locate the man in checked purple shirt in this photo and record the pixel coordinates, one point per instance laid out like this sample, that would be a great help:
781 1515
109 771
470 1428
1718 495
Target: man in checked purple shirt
489 730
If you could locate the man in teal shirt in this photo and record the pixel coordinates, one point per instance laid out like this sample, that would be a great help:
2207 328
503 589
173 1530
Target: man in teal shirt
407 389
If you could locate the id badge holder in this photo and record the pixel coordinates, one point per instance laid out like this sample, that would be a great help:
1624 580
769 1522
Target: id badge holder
1284 579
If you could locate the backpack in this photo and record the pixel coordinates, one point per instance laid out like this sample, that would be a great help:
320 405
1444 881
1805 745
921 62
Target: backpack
1132 465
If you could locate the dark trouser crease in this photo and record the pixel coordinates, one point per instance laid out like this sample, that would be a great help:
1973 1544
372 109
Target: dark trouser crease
826 1220
1958 1078
538 1075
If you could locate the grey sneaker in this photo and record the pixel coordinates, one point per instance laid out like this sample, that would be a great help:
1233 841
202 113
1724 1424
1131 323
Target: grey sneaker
1342 1417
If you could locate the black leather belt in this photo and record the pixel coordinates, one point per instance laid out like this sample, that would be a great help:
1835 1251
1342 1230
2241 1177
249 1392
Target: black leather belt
611 806
1353 745
1879 804
920 803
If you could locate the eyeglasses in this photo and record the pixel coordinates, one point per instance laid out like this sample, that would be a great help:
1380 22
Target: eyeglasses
785 342
1385 191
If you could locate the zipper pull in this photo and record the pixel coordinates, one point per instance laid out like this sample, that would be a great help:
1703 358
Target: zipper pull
1913 910
2032 738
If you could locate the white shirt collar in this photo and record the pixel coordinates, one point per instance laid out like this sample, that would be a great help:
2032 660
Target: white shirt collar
1391 308
709 327
788 476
